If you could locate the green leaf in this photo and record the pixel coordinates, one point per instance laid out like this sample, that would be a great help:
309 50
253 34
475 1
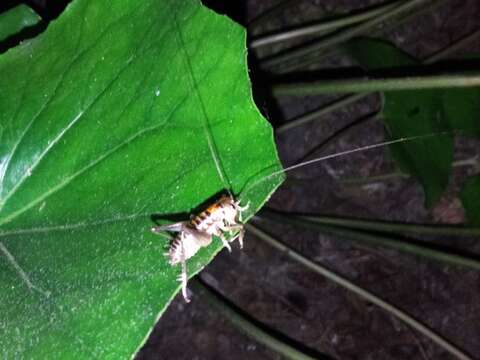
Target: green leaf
462 109
101 127
411 113
375 54
470 196
16 19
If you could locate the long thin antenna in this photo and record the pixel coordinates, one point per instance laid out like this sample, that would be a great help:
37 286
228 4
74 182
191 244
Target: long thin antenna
343 153
206 125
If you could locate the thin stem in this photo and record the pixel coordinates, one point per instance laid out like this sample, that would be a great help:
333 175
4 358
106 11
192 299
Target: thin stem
335 105
349 99
473 161
321 26
332 137
246 325
390 227
363 293
451 49
364 85
378 240
341 36
302 63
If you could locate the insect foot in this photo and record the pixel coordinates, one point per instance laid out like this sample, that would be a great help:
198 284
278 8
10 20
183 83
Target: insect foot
219 219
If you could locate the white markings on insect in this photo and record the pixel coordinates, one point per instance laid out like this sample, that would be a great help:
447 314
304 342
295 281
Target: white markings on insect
222 219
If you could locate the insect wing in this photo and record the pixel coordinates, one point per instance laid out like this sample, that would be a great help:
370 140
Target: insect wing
176 227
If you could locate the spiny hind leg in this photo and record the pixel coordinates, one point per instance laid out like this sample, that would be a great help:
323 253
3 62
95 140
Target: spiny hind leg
183 278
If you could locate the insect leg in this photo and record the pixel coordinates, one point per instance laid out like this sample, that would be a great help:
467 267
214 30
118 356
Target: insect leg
225 242
241 234
232 228
241 209
183 277
219 231
176 227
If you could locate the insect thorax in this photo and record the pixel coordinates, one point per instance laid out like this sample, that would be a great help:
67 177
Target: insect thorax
212 220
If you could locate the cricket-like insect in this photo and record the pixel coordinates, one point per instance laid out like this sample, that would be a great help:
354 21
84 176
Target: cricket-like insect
223 219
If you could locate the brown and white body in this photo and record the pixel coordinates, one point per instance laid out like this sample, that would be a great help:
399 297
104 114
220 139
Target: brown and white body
222 219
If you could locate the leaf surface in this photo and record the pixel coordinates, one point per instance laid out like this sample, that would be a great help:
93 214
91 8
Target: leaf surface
470 196
102 126
412 113
16 19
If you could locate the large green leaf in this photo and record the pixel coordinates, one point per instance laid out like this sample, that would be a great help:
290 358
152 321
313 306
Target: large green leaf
411 113
102 126
462 109
17 19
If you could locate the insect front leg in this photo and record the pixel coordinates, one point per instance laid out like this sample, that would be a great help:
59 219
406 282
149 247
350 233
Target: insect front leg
241 209
183 278
240 233
231 228
222 237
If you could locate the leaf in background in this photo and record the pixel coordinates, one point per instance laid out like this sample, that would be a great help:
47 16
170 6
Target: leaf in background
462 109
411 113
470 196
101 128
16 19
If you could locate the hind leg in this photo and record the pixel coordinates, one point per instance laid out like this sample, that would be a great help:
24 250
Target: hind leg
183 278
231 229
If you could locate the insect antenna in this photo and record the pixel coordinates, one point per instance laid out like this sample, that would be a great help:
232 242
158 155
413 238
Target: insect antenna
206 124
339 154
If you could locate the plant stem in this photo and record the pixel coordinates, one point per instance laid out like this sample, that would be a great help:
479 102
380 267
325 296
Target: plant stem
341 36
473 161
246 325
378 240
302 63
449 50
364 85
321 26
392 227
363 293
337 104
349 99
335 135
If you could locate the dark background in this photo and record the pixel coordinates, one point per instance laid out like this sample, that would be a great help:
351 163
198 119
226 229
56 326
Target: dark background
295 301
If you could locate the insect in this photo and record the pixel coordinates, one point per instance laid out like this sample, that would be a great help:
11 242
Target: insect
222 218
